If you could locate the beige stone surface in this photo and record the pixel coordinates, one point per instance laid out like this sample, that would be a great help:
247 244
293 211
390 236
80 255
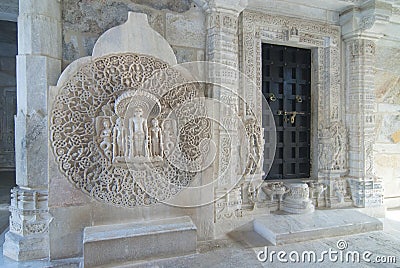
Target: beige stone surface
396 136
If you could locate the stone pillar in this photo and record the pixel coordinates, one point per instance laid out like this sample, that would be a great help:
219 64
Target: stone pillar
222 47
38 67
361 28
366 188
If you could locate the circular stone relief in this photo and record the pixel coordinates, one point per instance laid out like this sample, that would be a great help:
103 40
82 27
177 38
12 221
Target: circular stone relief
117 122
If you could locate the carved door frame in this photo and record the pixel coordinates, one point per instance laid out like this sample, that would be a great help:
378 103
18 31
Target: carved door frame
324 41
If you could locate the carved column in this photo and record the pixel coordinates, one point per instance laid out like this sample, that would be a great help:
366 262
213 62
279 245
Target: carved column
222 47
366 187
38 67
360 29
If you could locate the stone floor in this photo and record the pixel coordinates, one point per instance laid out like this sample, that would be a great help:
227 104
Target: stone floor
242 248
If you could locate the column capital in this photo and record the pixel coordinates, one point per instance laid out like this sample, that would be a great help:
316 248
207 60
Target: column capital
229 6
367 21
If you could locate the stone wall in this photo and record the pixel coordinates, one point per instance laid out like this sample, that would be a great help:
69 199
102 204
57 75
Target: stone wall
8 105
182 23
387 148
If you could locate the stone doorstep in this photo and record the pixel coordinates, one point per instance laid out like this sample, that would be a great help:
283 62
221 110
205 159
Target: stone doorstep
131 242
286 229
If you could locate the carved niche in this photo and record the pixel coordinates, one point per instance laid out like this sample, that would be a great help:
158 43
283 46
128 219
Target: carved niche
125 130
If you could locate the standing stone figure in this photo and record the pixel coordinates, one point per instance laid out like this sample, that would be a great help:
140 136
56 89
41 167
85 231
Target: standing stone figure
253 155
156 139
138 134
118 139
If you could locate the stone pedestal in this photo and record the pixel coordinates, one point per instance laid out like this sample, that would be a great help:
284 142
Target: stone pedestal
297 199
28 237
118 243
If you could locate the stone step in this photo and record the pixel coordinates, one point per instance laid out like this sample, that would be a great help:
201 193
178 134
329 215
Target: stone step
121 243
292 228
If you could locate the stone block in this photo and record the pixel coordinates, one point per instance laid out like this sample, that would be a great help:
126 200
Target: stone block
48 8
187 30
66 230
22 248
118 243
286 229
40 35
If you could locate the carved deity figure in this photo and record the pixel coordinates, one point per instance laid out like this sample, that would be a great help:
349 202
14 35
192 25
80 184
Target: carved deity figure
253 155
156 139
169 136
106 134
138 134
118 139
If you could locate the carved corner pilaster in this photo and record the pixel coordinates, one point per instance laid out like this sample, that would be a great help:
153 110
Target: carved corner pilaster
28 237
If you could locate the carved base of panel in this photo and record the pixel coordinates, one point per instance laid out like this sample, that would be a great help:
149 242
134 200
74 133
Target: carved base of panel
250 187
337 193
366 192
228 205
28 237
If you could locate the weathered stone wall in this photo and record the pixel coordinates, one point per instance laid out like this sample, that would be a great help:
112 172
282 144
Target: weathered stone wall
181 22
387 151
8 98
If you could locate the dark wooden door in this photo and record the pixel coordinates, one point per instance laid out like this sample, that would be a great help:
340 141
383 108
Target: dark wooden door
286 82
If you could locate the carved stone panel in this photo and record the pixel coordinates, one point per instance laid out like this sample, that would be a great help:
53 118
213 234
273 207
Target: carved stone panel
124 129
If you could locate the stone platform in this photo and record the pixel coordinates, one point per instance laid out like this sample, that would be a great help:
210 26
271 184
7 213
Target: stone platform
117 243
285 229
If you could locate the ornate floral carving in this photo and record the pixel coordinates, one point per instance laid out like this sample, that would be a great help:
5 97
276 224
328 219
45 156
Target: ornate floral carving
121 130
